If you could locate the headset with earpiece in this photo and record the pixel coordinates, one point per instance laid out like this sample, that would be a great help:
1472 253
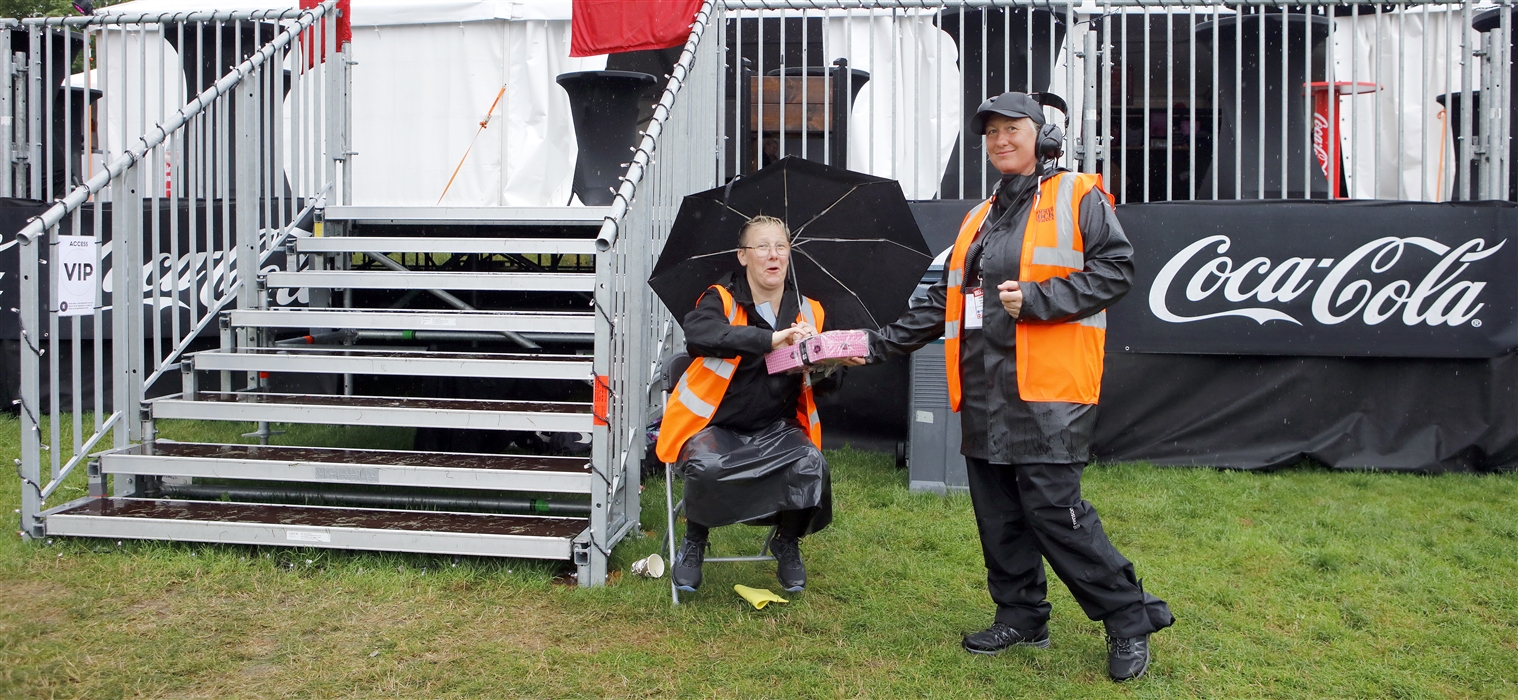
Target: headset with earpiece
1051 138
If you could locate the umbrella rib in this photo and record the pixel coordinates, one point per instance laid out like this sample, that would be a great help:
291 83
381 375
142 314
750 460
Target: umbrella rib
796 233
845 287
724 204
864 240
698 256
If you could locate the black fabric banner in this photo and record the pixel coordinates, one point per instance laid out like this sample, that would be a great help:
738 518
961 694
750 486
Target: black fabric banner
1321 278
1260 412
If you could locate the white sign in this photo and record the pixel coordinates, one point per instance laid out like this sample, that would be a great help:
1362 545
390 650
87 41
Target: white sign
78 276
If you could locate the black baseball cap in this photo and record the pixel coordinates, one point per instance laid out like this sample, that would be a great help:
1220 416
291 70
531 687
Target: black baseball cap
1009 104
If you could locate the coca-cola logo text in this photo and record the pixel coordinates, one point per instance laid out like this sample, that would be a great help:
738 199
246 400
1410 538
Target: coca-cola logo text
1368 284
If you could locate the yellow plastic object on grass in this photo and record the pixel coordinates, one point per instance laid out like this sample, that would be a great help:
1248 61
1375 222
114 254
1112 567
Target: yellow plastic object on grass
759 597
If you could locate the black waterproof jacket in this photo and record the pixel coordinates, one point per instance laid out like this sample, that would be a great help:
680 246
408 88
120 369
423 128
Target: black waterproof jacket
755 398
998 425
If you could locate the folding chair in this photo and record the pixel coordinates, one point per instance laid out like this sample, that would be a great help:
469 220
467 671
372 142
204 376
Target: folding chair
674 368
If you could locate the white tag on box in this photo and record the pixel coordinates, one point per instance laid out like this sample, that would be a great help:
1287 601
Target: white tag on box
974 309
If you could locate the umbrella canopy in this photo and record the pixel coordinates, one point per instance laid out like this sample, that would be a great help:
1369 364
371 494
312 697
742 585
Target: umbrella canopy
855 245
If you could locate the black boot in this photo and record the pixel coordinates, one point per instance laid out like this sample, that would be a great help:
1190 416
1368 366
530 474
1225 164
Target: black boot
1127 657
789 569
687 570
999 637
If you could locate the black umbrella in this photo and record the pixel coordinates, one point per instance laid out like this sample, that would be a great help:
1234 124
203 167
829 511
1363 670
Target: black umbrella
855 246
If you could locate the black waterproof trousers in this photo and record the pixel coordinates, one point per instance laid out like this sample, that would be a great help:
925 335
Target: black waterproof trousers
1029 513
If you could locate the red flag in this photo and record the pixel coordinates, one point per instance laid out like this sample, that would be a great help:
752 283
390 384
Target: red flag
314 35
617 26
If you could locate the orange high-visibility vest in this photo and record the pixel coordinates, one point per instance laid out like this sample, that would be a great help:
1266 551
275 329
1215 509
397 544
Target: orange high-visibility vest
1055 361
700 390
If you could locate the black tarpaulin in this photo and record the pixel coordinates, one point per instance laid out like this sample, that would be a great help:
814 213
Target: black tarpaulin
1251 412
731 477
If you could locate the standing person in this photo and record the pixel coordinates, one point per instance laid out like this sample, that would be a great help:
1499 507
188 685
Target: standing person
1024 371
748 442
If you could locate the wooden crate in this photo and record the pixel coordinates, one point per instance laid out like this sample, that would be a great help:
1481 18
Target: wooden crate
794 113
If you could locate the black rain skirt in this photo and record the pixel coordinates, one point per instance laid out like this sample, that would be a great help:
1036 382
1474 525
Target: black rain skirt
733 477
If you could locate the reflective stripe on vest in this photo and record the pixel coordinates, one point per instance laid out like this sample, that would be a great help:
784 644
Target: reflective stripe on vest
699 392
1055 361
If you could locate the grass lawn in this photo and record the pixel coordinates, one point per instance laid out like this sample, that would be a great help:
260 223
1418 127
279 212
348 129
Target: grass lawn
1301 583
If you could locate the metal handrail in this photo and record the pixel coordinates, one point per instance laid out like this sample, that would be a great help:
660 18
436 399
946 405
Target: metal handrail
161 17
1082 5
161 131
607 237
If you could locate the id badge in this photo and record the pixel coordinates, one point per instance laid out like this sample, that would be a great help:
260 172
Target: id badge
974 308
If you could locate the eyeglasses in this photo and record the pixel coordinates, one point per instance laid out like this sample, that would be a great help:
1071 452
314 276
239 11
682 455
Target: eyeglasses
780 249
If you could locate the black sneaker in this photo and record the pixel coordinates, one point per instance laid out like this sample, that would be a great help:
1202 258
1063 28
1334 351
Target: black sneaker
1127 657
1000 637
687 570
789 569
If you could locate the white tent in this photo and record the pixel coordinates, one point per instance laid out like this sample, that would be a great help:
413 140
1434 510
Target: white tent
426 75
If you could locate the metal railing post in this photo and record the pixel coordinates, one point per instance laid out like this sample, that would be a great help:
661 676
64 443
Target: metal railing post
248 110
31 391
1088 104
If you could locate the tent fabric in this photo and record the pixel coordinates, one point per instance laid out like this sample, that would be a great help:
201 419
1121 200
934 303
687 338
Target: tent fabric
426 75
420 92
1414 56
894 129
617 26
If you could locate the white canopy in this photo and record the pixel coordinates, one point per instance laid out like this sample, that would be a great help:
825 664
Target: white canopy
427 73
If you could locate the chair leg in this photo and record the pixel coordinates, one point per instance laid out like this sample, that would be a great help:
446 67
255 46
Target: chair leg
669 530
764 549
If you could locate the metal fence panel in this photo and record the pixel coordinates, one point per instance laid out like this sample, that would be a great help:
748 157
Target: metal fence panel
147 170
1168 99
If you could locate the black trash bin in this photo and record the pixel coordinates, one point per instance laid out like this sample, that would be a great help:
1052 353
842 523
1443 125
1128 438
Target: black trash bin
604 105
61 49
1009 62
1249 161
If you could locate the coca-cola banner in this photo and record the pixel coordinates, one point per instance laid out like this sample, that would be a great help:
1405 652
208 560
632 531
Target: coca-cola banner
1388 279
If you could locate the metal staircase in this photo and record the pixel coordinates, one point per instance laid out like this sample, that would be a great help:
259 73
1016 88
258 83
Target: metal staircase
413 502
530 322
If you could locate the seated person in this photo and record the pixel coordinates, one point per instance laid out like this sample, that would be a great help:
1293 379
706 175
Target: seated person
748 442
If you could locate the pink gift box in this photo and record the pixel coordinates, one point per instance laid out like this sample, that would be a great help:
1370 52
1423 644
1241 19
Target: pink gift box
825 349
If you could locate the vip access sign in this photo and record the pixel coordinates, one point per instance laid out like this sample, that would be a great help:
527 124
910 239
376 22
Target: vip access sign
77 276
1366 279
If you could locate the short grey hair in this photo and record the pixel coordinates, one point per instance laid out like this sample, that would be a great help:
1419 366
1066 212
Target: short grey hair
762 220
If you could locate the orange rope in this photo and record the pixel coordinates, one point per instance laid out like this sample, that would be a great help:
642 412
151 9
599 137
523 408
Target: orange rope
483 123
1443 128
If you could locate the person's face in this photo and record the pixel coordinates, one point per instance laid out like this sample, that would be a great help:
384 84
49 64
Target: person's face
765 255
1011 144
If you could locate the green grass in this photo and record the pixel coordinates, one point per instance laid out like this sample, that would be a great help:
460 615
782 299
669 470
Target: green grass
1301 583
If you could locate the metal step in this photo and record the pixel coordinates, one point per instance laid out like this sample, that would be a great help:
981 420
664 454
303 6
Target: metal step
469 534
472 216
324 360
409 320
346 466
379 411
472 246
482 281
